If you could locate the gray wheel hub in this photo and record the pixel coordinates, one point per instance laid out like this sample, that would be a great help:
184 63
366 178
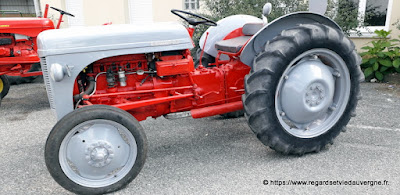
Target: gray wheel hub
312 93
97 153
307 93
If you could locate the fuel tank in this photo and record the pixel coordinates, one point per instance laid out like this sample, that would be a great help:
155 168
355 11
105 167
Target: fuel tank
224 27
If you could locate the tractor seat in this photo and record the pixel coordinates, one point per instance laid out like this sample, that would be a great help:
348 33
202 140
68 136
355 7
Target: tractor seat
232 45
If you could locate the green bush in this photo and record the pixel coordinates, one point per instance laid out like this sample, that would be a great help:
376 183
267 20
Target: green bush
382 58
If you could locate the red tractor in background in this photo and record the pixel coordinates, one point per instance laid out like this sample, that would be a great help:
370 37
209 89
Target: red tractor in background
18 56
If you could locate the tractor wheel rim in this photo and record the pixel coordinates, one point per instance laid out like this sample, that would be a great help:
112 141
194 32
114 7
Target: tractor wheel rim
1 85
98 153
312 93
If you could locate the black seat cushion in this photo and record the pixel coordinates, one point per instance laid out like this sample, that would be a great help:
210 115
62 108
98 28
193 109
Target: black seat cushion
232 45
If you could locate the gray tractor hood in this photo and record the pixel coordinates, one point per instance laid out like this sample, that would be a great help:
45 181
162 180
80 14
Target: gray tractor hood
146 38
76 48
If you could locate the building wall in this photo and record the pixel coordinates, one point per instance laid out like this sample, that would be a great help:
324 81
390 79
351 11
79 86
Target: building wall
161 10
395 15
98 12
140 11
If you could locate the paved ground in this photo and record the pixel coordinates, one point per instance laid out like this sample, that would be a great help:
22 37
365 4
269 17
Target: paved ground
212 155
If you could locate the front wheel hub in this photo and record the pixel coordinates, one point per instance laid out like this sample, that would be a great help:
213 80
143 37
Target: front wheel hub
307 92
99 154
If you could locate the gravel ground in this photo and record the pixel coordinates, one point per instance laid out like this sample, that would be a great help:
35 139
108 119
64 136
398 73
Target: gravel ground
214 155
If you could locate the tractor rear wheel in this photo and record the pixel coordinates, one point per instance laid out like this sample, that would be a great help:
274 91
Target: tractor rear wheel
95 150
4 86
303 89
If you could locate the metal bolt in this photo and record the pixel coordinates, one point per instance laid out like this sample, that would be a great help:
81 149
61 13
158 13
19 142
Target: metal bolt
332 108
286 77
336 74
282 113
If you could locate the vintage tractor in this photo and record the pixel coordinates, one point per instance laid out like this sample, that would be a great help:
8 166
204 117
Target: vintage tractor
297 79
18 56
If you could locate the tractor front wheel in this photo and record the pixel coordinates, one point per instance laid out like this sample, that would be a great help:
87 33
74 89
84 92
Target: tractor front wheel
303 89
4 86
95 150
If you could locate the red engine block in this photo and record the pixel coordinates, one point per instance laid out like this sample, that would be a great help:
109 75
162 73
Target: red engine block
16 55
154 85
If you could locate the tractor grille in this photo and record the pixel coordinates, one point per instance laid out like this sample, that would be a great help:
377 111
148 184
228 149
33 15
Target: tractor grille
46 78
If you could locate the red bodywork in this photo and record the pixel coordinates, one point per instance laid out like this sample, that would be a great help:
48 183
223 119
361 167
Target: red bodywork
175 87
18 55
18 43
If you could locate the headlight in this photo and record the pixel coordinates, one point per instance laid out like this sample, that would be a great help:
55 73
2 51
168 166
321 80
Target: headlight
57 72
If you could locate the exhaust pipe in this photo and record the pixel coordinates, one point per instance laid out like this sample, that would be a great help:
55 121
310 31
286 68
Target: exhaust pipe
216 110
207 111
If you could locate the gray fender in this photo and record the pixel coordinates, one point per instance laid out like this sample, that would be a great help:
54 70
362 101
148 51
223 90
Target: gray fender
268 32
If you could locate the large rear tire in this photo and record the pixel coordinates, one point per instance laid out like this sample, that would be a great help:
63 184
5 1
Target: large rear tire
303 89
95 150
4 86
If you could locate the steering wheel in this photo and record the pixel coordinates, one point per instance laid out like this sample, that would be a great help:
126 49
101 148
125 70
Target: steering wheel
62 12
193 21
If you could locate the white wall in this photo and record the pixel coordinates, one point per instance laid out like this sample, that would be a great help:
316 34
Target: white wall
140 11
76 8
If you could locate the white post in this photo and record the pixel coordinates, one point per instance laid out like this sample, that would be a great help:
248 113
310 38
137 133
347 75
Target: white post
140 11
75 7
37 8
